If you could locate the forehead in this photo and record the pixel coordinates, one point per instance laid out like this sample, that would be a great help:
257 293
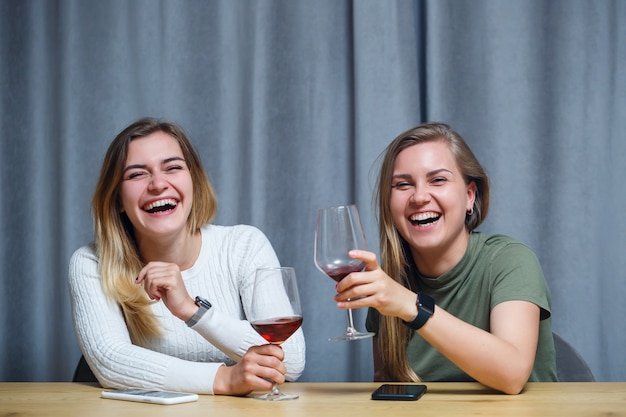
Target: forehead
429 156
156 146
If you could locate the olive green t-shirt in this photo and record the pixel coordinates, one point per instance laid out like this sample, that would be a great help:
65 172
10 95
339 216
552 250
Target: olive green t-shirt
493 270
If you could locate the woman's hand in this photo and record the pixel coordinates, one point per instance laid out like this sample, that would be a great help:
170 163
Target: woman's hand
163 281
374 288
259 368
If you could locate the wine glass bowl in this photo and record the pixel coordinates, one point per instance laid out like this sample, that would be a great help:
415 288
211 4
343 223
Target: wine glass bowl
338 230
340 270
277 330
275 313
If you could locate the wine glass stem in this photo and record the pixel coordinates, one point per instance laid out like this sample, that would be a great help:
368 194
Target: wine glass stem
351 328
275 390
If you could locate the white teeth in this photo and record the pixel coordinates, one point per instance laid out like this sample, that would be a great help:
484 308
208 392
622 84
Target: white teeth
423 216
160 203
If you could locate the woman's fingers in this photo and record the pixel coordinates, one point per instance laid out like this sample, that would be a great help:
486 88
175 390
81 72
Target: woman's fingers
373 288
267 362
259 368
157 279
163 281
371 262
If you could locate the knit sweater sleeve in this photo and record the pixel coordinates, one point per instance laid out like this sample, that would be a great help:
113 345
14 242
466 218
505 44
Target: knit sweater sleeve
103 338
245 250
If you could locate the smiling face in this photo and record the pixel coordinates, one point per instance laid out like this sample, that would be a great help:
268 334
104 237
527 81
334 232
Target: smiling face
428 203
156 192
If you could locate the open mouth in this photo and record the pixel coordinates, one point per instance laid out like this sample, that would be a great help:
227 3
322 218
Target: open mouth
424 219
161 205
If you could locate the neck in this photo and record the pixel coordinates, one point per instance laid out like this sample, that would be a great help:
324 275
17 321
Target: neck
182 249
434 262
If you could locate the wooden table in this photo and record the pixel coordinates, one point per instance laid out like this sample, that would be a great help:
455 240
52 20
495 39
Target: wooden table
569 399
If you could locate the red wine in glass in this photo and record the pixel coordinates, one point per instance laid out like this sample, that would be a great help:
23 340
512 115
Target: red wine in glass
277 330
338 230
275 313
341 272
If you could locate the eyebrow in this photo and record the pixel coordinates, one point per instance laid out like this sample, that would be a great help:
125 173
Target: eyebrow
428 174
401 176
165 161
438 171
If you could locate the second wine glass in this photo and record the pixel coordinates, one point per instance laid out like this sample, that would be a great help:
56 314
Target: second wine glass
275 313
338 230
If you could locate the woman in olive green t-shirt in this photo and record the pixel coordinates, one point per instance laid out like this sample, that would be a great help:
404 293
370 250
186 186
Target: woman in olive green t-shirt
448 303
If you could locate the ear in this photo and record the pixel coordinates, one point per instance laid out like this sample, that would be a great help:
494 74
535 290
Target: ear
471 196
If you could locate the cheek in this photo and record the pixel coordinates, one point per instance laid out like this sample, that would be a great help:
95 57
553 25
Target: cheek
396 206
456 206
188 187
126 199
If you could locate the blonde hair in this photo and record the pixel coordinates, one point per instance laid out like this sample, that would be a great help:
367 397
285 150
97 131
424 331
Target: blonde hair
118 254
393 336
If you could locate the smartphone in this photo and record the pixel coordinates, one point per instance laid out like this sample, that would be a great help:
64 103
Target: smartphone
150 396
401 392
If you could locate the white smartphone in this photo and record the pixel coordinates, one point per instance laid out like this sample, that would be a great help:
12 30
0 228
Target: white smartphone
150 396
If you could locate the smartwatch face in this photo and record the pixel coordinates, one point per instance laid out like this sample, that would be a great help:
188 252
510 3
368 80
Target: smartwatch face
201 302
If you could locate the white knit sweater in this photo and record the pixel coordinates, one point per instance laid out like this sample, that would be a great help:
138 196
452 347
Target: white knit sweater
183 358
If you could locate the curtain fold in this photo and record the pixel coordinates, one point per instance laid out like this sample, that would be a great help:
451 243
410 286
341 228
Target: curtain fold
290 103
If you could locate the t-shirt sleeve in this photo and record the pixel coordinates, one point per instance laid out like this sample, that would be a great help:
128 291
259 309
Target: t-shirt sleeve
518 276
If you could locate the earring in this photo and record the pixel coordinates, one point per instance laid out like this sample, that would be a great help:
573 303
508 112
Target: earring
471 211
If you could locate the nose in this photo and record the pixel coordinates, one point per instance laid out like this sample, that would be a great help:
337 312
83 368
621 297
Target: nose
157 183
420 195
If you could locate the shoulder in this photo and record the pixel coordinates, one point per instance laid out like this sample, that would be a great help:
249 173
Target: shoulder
240 239
504 258
88 250
497 240
515 272
241 248
240 232
83 266
499 246
83 257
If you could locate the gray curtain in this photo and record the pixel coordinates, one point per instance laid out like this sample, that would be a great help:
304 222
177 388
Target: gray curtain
290 102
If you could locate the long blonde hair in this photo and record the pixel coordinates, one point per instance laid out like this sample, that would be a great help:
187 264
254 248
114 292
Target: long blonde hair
118 254
393 336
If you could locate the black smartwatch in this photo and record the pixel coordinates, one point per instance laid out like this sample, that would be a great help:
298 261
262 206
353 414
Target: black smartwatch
203 307
425 309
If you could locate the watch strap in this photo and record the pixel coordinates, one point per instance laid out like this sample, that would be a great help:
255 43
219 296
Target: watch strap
203 307
425 309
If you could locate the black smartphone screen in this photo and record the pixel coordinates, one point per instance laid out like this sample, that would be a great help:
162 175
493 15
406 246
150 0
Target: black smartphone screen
402 392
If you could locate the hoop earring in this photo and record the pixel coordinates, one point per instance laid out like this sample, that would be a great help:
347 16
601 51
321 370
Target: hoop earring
471 211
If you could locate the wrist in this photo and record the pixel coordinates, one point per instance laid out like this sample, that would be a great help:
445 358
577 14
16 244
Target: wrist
411 311
202 306
189 310
425 309
219 383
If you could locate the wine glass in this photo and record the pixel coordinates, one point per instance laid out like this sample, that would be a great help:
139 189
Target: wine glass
338 230
275 313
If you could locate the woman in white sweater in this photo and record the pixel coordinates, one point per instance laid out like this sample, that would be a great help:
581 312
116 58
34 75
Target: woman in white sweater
160 300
